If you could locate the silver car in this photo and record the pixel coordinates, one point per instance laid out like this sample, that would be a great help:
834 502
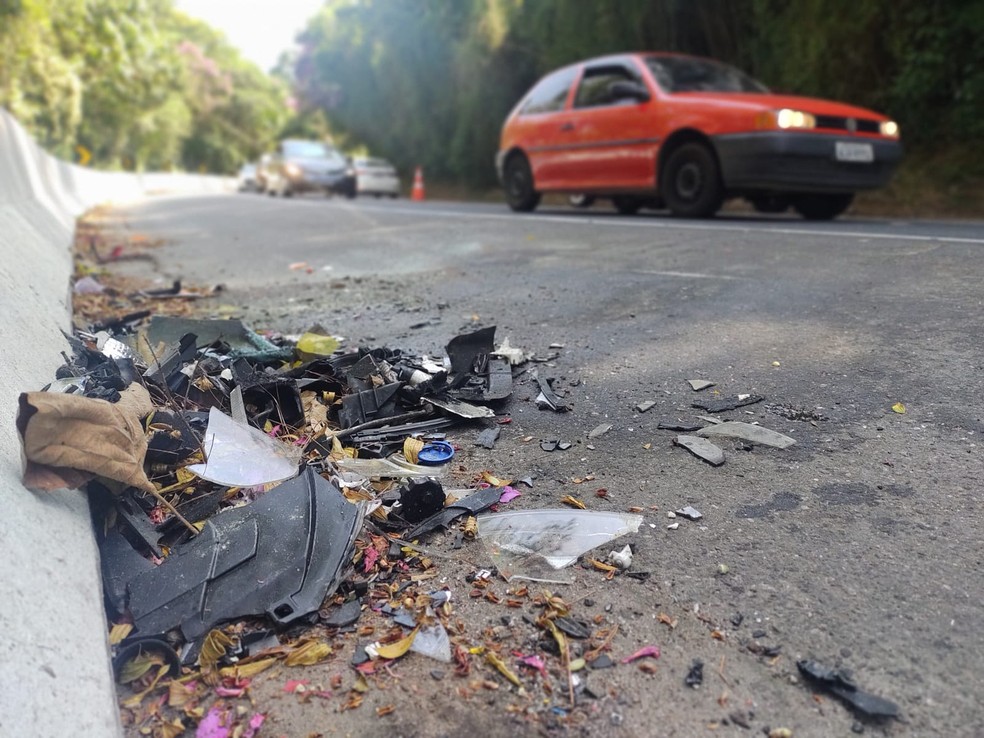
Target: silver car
376 177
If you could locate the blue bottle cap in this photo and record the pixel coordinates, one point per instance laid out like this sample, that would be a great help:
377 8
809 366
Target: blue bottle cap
438 452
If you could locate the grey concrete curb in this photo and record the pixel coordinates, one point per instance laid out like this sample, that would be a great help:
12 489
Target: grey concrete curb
55 675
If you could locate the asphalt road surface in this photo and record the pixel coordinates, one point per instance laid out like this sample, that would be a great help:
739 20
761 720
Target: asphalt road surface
861 546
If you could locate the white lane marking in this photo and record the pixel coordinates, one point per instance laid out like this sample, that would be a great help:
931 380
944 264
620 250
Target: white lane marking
628 223
686 275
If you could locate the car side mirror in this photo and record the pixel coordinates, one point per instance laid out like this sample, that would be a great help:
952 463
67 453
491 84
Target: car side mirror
623 88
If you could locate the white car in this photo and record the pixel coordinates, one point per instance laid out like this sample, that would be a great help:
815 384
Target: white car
375 177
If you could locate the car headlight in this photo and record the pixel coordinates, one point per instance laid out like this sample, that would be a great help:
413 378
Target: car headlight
350 172
889 128
787 118
292 170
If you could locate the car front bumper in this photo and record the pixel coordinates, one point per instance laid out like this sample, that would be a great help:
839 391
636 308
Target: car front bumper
801 162
341 183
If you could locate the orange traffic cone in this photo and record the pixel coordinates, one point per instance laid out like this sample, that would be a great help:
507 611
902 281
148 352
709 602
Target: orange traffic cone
418 185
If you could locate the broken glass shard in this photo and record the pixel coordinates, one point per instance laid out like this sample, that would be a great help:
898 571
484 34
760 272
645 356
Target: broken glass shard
536 544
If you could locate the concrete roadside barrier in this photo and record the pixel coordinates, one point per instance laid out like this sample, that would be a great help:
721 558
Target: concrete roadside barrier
55 674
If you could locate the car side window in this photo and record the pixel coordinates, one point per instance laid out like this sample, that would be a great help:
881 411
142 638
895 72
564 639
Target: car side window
550 93
594 89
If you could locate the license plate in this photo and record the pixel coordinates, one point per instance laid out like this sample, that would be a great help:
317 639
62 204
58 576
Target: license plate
854 152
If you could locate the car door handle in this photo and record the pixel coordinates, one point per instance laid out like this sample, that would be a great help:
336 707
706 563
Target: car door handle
567 127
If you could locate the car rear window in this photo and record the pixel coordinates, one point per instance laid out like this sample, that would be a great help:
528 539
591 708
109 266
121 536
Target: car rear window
550 93
690 74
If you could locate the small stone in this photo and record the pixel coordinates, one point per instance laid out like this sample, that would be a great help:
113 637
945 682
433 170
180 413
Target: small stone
437 675
758 634
588 602
857 727
616 718
602 662
644 406
671 514
723 569
699 384
673 526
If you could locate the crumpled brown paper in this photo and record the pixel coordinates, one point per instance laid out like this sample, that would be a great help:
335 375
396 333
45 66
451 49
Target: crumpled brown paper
71 432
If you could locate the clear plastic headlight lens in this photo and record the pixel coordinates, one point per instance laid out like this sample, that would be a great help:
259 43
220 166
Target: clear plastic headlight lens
889 128
292 170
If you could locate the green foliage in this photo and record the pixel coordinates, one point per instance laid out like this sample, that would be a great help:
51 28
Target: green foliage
135 82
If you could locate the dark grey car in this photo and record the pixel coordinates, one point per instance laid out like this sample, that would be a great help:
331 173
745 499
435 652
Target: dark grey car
306 166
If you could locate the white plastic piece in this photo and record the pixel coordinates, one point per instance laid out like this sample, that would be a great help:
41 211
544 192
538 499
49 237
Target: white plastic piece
622 559
433 642
242 456
394 467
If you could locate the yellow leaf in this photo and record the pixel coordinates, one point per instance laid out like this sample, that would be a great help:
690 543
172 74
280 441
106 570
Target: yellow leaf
573 502
308 654
118 632
899 408
361 685
311 345
495 481
398 649
138 666
411 448
213 648
136 699
503 669
179 694
247 670
172 729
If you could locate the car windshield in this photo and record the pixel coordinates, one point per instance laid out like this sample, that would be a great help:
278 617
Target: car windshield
308 150
689 74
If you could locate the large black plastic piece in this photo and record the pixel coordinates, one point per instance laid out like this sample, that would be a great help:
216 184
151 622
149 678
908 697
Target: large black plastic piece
279 556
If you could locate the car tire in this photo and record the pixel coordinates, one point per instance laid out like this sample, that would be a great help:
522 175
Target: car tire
517 179
581 200
822 207
691 182
627 205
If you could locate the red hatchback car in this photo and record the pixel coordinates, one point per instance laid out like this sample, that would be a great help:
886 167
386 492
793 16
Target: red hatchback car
685 133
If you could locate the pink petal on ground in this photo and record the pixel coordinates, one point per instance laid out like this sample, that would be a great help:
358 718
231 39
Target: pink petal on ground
642 653
371 557
535 662
230 691
255 723
294 684
509 494
213 725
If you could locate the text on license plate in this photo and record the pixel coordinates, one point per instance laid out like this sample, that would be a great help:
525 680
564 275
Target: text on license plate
858 152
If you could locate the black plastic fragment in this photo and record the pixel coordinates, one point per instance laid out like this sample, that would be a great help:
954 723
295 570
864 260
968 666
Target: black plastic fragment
420 499
488 437
134 647
679 427
726 403
695 677
471 505
268 397
840 683
475 374
345 615
547 396
370 404
279 556
573 628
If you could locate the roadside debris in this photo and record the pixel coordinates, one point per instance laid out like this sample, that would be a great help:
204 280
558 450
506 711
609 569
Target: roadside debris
701 448
727 403
700 384
690 513
646 406
748 432
599 430
536 544
547 399
841 684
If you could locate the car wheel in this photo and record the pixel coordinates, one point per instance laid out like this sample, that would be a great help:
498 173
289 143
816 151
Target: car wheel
770 203
627 205
518 181
581 200
822 207
691 182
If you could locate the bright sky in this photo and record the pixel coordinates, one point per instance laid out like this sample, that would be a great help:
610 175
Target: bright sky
260 29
